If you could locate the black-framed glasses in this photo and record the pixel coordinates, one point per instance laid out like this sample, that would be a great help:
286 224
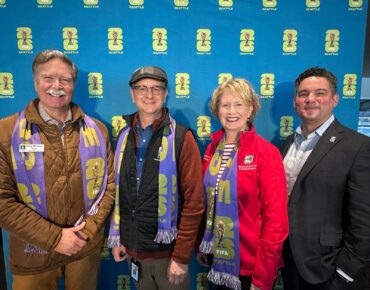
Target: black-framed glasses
143 90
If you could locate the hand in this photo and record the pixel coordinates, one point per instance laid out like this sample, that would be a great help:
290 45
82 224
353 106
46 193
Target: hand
254 287
176 272
119 253
70 243
202 259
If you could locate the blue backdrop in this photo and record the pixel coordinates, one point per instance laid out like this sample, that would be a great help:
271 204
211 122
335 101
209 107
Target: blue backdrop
199 44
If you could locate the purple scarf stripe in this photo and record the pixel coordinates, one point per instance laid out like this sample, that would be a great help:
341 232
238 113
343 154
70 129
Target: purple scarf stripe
31 176
221 237
168 192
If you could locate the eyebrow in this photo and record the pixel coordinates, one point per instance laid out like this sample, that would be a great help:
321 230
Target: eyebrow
316 90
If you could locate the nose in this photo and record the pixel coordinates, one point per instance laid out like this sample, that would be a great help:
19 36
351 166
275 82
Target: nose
310 97
57 83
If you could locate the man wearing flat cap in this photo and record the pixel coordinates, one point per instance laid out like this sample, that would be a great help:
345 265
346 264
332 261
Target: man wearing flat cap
159 202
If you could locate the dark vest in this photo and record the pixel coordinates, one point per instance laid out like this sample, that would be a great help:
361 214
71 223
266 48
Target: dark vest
139 208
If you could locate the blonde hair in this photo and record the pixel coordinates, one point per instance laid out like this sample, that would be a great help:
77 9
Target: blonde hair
240 88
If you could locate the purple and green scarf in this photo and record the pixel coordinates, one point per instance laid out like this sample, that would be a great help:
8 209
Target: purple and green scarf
221 237
29 168
167 191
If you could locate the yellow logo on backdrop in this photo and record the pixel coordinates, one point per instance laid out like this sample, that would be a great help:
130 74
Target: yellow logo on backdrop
226 4
123 282
202 281
203 126
136 2
286 126
118 123
24 35
6 85
350 85
246 41
160 40
269 3
222 77
70 39
204 40
290 40
312 3
332 41
115 39
267 85
43 3
2 3
95 81
104 253
182 84
91 2
181 3
355 3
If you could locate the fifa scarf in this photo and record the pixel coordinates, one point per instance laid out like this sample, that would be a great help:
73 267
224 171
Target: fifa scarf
221 237
167 191
29 168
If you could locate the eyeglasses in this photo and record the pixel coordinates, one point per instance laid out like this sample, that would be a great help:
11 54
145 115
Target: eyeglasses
320 93
64 81
143 90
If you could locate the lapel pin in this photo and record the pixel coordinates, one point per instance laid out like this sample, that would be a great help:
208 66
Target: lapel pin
332 139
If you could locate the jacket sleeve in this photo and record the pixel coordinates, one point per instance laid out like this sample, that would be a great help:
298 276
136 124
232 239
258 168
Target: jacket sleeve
190 186
355 252
274 215
94 223
15 217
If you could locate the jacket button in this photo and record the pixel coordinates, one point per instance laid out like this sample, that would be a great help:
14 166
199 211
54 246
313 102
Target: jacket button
133 213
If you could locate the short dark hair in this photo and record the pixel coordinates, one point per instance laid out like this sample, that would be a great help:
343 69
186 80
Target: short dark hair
317 72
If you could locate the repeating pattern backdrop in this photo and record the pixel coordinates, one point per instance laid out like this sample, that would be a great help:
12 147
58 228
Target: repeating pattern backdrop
199 43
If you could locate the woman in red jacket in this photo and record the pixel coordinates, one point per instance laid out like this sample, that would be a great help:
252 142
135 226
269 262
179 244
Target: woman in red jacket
246 197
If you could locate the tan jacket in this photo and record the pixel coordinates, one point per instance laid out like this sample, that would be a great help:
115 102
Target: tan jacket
64 195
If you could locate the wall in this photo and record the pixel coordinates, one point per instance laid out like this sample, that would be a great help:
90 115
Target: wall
198 43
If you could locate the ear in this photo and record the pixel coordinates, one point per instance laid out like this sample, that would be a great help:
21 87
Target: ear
165 95
132 95
336 100
35 84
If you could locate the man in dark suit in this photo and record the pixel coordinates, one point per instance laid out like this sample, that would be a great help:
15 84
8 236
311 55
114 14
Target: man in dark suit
328 177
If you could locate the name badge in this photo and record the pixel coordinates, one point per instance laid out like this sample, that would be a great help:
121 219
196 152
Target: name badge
31 148
135 268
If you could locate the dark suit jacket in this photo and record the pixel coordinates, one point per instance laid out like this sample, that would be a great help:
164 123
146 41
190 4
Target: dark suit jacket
329 206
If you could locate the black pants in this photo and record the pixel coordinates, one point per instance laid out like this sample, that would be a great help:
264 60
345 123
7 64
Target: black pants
246 284
292 280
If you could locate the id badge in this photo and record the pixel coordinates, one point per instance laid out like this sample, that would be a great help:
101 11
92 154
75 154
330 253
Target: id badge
135 270
27 148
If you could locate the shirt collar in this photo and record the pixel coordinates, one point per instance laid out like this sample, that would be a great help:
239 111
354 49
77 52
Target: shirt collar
49 120
318 132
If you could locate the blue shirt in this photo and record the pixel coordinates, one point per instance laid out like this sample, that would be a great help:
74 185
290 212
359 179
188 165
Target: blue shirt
299 151
144 136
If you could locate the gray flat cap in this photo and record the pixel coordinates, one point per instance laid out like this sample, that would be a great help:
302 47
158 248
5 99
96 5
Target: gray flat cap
152 72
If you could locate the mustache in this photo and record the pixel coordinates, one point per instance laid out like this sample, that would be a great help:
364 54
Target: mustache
56 92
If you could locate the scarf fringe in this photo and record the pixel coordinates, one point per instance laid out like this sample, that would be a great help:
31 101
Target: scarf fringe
114 241
34 249
226 279
166 236
206 247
